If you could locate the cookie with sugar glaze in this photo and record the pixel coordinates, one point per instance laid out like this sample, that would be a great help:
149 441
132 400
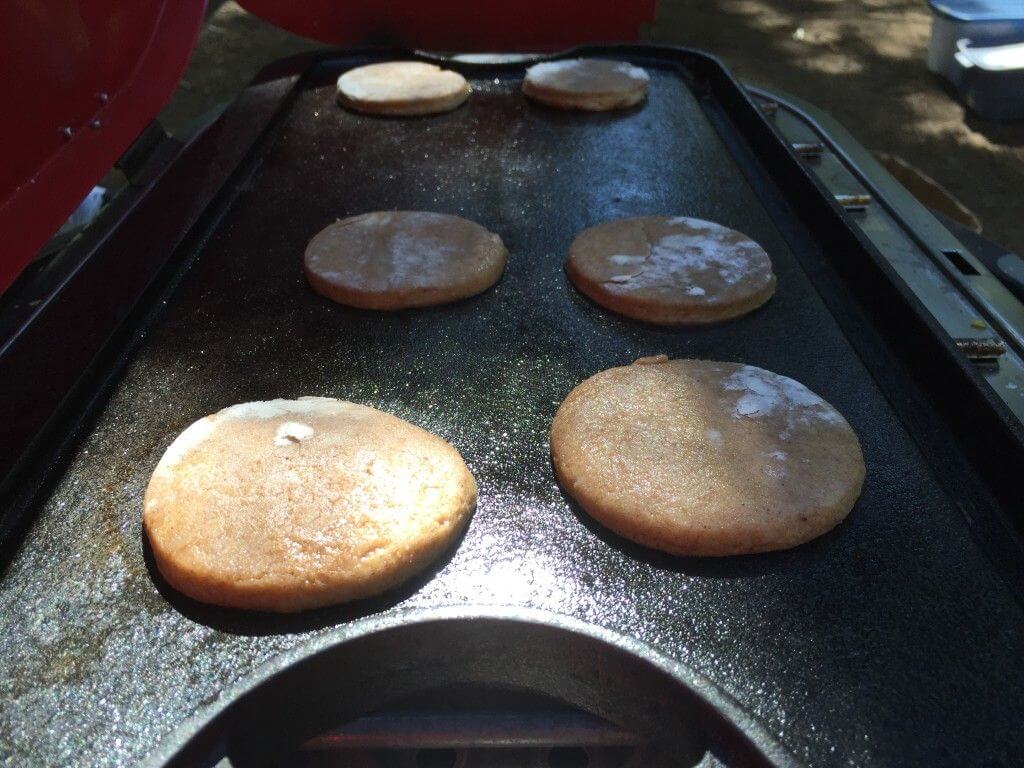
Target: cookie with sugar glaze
695 457
402 88
594 85
286 505
670 270
392 260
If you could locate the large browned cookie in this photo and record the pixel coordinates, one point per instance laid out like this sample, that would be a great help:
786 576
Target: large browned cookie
402 88
590 84
701 458
285 505
670 270
401 259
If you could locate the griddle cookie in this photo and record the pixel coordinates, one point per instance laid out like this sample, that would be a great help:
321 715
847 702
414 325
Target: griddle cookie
595 85
286 505
402 88
399 259
702 458
670 270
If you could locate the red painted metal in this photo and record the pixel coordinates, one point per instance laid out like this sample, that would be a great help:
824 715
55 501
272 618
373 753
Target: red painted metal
82 79
460 25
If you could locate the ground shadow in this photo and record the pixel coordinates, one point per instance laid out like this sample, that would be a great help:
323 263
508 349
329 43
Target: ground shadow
1008 134
863 61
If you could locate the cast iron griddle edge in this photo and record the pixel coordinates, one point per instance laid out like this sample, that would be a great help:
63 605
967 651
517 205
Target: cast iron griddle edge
826 644
219 728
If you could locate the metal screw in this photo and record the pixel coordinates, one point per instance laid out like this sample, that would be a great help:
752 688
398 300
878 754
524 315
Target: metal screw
67 132
854 202
810 150
102 96
981 349
96 124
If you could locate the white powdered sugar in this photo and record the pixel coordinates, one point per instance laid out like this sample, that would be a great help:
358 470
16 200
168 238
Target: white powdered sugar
622 260
417 257
549 70
688 254
396 80
714 437
272 409
776 469
186 441
288 433
636 73
764 394
685 259
373 219
292 432
620 279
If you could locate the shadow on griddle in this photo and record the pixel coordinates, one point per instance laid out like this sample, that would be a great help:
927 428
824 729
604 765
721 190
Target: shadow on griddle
733 566
236 621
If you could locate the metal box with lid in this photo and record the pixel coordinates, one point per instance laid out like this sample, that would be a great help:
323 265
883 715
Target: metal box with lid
978 46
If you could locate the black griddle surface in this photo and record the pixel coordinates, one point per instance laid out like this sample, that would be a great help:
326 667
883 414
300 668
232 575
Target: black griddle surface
890 641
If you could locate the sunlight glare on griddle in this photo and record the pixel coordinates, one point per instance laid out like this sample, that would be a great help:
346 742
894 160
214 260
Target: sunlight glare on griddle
525 581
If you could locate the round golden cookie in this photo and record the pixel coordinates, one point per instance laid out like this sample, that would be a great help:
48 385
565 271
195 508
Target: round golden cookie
286 505
702 458
401 259
402 88
670 270
590 84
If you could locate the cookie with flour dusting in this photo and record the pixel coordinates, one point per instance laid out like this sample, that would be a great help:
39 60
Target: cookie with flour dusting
402 88
399 259
595 85
286 505
670 270
702 458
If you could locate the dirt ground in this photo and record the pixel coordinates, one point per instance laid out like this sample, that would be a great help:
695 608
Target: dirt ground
860 60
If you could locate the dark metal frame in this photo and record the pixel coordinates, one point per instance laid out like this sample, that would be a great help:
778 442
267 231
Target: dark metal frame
879 316
63 341
59 351
377 661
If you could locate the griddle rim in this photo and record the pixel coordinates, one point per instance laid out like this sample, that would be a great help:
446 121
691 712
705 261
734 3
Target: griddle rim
211 732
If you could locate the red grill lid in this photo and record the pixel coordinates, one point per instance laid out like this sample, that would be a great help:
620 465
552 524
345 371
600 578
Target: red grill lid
461 25
85 77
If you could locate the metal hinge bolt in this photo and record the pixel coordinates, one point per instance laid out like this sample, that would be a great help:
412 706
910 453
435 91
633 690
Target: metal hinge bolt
809 150
854 202
981 349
